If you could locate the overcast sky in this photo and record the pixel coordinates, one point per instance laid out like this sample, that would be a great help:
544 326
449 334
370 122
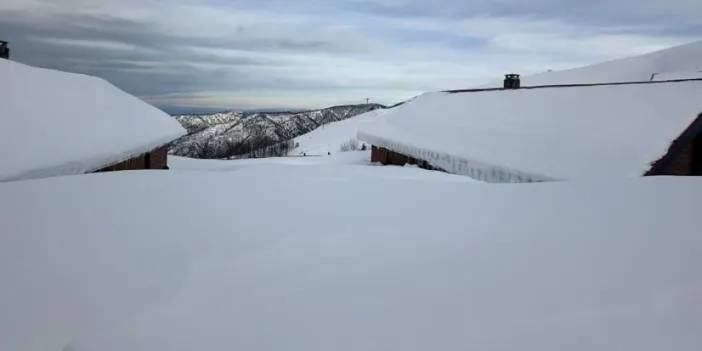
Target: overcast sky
217 54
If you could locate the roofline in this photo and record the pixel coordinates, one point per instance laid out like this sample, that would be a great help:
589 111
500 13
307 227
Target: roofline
574 85
660 165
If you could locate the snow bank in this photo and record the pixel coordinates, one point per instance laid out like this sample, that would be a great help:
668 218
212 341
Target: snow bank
330 137
57 123
342 165
541 134
271 261
683 58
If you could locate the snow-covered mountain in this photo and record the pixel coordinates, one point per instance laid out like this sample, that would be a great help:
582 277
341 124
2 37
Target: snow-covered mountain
678 62
232 134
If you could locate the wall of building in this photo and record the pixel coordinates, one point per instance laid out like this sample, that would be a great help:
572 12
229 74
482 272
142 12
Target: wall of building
155 159
389 157
680 163
684 157
685 161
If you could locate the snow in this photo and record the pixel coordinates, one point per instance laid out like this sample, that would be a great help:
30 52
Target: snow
330 137
58 123
292 258
336 253
343 165
677 76
672 61
544 134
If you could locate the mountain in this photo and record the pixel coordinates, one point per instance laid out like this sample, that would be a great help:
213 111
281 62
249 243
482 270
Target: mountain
336 136
678 62
245 134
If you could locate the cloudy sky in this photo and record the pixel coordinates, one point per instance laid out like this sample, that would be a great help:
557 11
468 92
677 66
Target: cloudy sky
185 55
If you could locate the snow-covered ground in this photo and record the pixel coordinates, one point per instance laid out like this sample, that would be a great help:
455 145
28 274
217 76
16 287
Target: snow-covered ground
335 253
343 165
300 258
58 123
330 138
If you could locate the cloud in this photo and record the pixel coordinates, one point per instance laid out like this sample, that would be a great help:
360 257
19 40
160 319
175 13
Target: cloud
274 53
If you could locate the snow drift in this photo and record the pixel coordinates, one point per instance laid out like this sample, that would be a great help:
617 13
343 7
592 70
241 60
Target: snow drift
678 62
314 260
58 123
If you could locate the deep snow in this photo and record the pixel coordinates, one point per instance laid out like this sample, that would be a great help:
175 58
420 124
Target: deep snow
541 134
679 61
329 138
58 123
346 165
313 258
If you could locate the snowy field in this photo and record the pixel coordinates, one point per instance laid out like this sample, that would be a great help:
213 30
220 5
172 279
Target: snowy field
343 165
330 138
334 254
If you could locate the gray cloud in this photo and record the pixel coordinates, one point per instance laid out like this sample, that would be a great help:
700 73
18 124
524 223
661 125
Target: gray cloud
248 54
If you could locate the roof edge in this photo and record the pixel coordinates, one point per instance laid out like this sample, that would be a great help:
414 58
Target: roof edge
482 171
478 90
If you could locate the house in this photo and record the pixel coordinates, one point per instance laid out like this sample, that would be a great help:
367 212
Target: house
543 133
56 123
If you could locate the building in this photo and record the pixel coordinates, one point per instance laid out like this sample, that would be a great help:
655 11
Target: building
544 133
56 123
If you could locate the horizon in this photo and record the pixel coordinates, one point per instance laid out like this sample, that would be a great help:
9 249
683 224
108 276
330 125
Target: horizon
207 56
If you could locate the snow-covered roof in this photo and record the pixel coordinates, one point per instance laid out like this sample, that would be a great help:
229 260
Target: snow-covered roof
677 75
58 123
673 61
542 134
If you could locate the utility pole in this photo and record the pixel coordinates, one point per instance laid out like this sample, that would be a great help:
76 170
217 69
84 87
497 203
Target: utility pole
367 101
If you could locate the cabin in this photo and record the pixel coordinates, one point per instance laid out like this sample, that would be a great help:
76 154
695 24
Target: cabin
57 123
547 133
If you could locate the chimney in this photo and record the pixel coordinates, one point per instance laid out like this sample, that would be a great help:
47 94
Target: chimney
512 81
4 50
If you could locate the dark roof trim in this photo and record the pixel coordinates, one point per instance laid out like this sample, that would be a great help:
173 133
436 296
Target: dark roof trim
658 167
575 85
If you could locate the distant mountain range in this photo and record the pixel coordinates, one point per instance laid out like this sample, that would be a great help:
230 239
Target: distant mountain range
240 134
